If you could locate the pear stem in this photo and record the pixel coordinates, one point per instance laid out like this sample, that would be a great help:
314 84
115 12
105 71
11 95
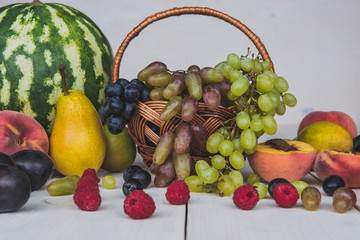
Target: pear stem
62 73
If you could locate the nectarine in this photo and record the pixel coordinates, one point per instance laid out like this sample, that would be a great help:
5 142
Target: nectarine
346 165
282 158
19 131
337 117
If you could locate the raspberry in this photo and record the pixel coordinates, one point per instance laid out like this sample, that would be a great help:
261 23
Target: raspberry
139 205
87 199
87 194
91 173
246 197
178 193
285 195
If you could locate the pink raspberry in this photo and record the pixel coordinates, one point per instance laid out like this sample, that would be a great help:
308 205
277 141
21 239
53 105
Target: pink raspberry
178 193
285 195
87 194
87 199
91 173
246 197
139 205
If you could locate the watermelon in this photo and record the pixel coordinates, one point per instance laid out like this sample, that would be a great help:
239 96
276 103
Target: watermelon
34 39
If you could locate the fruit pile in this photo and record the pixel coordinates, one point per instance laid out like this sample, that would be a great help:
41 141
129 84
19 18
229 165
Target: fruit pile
248 84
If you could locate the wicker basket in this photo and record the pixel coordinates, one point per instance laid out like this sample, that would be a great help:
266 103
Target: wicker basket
149 112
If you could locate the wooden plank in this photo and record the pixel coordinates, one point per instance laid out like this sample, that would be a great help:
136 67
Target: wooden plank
213 217
46 217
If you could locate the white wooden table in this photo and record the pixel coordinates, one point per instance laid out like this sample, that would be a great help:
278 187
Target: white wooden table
206 216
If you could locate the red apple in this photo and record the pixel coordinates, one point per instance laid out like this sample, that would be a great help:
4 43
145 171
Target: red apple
339 118
282 158
345 165
19 131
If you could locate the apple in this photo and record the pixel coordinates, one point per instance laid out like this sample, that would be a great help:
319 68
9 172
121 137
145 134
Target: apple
343 164
19 131
282 158
337 117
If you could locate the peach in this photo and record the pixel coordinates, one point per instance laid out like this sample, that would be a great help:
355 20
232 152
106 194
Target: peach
282 158
344 164
337 117
19 131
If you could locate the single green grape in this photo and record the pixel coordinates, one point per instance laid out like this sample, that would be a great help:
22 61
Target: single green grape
300 186
256 124
231 96
226 185
212 143
250 151
218 162
265 103
262 189
235 74
209 175
108 182
248 139
266 65
226 69
234 61
272 75
237 178
275 99
243 120
237 145
226 147
281 109
194 183
239 86
258 66
253 178
289 100
237 160
201 165
282 84
247 64
270 125
264 83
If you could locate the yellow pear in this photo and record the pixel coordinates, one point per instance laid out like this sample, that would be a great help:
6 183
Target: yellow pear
326 135
77 141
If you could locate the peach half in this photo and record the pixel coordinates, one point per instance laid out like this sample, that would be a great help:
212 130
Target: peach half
344 164
282 158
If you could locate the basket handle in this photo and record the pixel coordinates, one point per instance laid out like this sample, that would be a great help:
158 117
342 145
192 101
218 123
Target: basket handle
182 11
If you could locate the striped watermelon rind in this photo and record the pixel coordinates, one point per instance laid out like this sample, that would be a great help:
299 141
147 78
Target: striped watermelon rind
34 40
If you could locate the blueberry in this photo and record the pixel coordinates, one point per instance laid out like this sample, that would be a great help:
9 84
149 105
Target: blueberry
116 124
129 110
145 95
131 185
128 172
131 93
105 110
114 89
143 177
123 82
116 105
275 182
138 83
331 183
356 141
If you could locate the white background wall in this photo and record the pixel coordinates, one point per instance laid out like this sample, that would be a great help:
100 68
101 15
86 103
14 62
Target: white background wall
314 44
